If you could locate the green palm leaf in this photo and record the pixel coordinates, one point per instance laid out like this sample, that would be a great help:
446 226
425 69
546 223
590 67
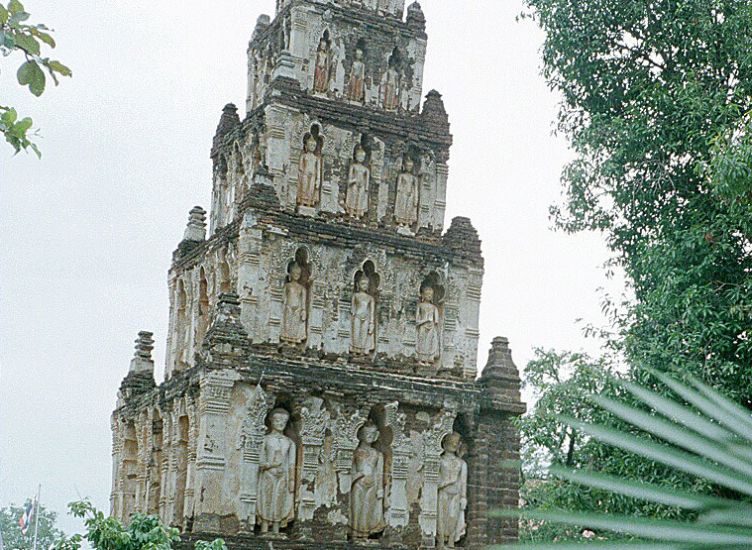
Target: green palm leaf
616 546
712 404
739 516
680 413
673 433
670 456
674 531
710 438
643 491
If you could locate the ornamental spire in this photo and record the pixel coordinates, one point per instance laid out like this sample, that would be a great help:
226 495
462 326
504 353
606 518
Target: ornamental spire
142 360
196 228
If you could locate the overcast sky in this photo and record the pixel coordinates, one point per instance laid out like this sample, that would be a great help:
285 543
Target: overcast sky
88 231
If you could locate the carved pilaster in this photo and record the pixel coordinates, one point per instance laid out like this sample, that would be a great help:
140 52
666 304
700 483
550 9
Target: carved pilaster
144 451
171 445
316 324
315 420
249 443
345 443
165 467
442 176
116 494
432 449
248 274
190 484
213 407
398 514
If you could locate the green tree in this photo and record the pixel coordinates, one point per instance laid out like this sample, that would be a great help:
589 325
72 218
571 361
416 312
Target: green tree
655 101
107 533
556 381
560 383
656 96
17 36
14 539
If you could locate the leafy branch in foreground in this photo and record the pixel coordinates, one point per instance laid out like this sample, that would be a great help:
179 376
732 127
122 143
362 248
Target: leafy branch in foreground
107 533
18 36
707 435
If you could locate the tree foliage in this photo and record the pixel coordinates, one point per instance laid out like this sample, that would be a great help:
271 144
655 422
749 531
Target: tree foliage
559 382
107 533
18 36
556 381
655 101
656 104
14 539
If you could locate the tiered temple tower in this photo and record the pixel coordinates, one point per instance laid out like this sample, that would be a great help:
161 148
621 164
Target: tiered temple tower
320 386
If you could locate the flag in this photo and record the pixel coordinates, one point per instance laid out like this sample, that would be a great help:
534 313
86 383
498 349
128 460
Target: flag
25 520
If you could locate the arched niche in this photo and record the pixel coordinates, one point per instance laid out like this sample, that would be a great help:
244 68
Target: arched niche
310 168
223 272
181 324
392 81
430 319
257 155
356 194
407 192
453 489
203 306
362 45
371 477
378 416
435 281
463 426
286 402
222 201
366 143
181 467
322 63
154 489
356 81
368 270
316 133
395 59
297 298
280 457
364 321
240 174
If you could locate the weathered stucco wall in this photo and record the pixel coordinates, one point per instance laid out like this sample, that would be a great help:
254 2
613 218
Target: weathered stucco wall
200 437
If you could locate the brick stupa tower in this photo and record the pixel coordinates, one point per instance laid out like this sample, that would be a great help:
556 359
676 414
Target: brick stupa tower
321 386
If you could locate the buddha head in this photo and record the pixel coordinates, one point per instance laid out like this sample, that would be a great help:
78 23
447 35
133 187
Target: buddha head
278 419
452 442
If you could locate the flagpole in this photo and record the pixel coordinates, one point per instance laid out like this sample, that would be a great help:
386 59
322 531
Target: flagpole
36 516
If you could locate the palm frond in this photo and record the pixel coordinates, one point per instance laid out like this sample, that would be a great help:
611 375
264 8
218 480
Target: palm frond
642 491
707 436
714 536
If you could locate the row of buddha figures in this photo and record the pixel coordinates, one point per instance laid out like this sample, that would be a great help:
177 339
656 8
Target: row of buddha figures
407 196
363 311
354 73
382 6
281 462
364 479
359 81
